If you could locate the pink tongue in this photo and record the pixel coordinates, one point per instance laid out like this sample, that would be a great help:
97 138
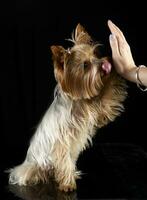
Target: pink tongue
106 66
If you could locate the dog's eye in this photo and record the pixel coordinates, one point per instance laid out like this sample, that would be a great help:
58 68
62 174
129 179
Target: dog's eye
86 64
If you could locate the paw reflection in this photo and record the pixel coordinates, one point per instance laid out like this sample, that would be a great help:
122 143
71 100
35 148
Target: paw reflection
41 192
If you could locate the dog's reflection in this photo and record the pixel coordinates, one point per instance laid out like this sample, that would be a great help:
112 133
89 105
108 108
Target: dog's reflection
41 192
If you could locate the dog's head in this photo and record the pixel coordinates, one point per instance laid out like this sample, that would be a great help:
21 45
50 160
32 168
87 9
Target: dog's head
80 70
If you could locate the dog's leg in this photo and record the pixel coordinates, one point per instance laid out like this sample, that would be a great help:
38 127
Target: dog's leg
74 156
76 149
64 168
24 174
65 175
28 174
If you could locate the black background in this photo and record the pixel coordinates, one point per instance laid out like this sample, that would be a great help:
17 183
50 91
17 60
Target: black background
115 166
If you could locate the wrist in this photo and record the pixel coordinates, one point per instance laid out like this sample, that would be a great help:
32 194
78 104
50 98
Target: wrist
139 82
130 74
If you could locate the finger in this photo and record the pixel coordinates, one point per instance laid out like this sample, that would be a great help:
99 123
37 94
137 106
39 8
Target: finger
111 26
114 29
114 45
122 43
117 30
120 32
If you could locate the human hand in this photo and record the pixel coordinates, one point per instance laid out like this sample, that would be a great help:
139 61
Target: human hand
121 52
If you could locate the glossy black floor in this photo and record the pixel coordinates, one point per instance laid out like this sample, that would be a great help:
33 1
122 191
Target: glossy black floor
116 166
118 172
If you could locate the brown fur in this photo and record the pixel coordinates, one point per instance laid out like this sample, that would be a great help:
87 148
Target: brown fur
97 97
88 98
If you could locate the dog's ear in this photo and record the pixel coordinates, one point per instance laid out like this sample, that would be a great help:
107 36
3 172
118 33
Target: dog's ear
58 53
81 36
58 59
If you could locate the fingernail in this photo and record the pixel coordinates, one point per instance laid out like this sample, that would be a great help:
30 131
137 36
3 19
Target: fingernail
112 36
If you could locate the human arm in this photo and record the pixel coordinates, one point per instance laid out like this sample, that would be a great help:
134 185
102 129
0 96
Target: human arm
122 57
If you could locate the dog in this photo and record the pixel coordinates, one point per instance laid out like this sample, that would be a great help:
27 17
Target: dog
89 94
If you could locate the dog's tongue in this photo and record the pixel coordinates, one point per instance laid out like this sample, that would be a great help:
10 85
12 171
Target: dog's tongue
106 66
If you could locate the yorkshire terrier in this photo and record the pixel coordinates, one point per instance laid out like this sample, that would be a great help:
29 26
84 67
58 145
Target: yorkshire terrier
89 94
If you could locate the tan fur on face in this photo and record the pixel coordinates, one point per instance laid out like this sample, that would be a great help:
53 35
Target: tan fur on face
85 99
82 75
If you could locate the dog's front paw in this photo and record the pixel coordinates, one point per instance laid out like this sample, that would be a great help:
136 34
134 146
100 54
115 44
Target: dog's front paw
68 188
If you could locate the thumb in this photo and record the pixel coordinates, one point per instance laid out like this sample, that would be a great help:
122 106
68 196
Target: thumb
114 45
